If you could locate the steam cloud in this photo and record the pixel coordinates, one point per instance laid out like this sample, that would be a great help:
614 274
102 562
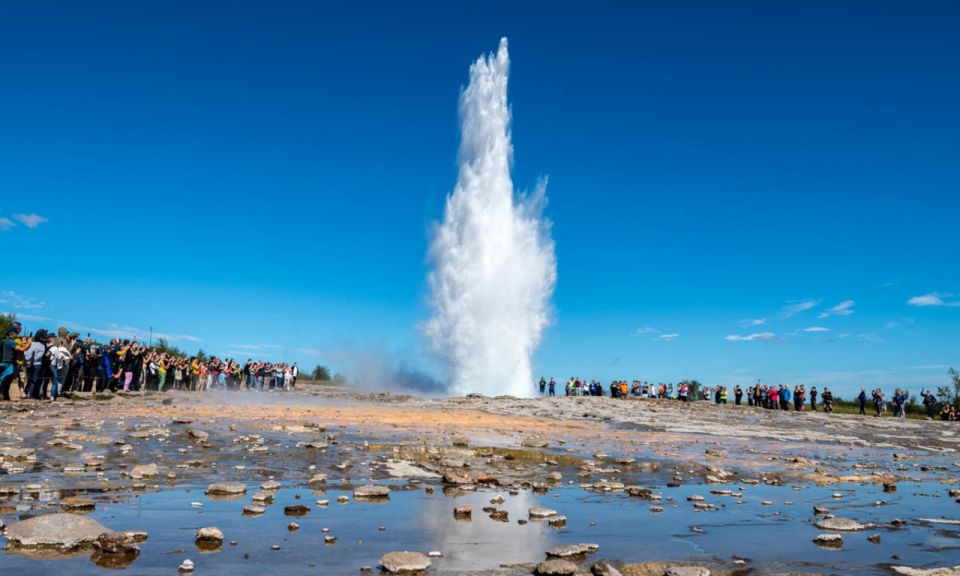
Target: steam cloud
494 264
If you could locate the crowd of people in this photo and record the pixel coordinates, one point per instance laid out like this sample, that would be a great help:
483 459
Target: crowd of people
46 365
779 397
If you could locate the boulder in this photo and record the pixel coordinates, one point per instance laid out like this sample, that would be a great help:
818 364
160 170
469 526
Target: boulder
828 540
404 562
116 543
603 568
199 435
270 485
62 530
77 503
908 571
209 535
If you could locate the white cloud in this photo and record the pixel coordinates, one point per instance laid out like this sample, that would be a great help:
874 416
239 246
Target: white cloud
760 336
816 329
844 308
20 302
871 337
668 337
6 223
29 220
747 322
655 334
930 367
253 346
794 307
934 299
647 330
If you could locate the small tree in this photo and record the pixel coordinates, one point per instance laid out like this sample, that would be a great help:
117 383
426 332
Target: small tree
695 388
201 355
321 374
951 394
6 320
163 347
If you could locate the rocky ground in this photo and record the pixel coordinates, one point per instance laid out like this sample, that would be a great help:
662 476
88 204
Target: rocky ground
62 463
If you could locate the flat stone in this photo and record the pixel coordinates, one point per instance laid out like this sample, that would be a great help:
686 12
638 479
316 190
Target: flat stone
254 510
227 488
908 571
841 524
144 471
318 479
400 562
572 550
532 442
61 530
77 503
556 567
270 485
537 512
462 511
199 435
371 492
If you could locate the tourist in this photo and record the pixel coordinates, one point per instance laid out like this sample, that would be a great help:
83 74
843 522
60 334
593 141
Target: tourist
813 398
929 402
862 399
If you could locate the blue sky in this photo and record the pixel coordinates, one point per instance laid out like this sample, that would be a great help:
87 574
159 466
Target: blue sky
261 178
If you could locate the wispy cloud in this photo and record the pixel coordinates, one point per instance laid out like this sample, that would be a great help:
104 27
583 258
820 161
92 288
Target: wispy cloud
6 224
18 301
655 334
930 367
30 220
758 337
816 329
844 308
794 307
870 337
254 347
934 299
748 322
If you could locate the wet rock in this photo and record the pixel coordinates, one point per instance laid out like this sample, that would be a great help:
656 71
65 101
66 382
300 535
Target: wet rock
500 515
371 492
463 511
572 550
840 524
144 471
557 521
77 503
556 567
293 527
828 540
820 510
116 543
404 562
227 488
199 435
456 478
61 530
875 538
296 510
638 492
554 477
603 568
186 566
687 571
270 485
209 535
461 441
318 479
262 497
254 510
537 512
435 554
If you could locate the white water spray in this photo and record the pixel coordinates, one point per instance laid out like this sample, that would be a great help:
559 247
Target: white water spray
494 264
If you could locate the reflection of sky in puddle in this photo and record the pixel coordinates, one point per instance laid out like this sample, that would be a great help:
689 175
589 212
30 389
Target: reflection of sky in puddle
623 526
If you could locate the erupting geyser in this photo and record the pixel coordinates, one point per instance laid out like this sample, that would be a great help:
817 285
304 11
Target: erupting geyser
494 263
